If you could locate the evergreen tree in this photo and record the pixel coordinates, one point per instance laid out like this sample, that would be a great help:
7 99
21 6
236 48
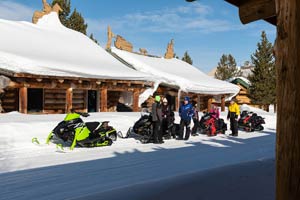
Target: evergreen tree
263 80
92 38
186 58
227 68
76 22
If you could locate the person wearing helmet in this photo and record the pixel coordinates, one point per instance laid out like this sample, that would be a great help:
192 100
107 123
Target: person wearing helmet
157 119
186 112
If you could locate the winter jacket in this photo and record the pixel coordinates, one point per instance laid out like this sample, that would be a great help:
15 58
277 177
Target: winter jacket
156 112
215 113
233 111
166 111
186 111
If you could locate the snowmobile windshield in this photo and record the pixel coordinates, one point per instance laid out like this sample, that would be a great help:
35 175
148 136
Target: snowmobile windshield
71 116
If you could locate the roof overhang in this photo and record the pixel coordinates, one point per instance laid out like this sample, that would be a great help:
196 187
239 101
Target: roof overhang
253 10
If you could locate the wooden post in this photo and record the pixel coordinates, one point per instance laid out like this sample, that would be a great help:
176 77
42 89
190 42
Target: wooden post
209 102
222 103
198 102
103 100
135 106
287 50
69 100
178 100
86 103
23 100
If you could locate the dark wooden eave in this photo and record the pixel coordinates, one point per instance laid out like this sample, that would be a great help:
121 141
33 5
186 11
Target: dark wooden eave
252 10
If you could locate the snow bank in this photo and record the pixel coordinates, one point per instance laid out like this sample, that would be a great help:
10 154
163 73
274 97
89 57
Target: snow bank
29 171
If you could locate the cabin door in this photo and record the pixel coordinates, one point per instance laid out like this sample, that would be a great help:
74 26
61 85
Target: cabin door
92 101
35 100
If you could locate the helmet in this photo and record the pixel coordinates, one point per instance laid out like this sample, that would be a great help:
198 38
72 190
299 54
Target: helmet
165 100
186 98
157 98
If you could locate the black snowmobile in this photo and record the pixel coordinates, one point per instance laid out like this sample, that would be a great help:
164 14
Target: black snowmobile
143 129
211 126
85 134
250 121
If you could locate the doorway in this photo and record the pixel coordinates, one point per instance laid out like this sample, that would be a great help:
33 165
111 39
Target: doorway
92 101
35 100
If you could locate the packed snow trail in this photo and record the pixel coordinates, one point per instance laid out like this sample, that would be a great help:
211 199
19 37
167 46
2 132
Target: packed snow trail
31 171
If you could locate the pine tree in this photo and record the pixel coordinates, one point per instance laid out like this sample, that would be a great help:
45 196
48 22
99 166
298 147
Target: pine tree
227 68
186 58
263 80
76 22
92 38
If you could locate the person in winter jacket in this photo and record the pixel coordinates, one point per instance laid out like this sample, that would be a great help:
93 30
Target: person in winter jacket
157 119
186 112
215 111
233 113
196 121
166 118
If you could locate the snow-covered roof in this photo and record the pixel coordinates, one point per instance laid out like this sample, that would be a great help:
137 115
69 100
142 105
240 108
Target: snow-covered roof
49 48
177 72
243 80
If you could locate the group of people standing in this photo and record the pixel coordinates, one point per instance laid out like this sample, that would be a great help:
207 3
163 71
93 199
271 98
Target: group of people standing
162 113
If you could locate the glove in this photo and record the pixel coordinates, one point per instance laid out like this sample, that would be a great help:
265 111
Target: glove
236 116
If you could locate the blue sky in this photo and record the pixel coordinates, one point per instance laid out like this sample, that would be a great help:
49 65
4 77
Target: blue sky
206 28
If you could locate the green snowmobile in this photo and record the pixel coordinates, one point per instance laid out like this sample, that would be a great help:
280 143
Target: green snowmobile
85 134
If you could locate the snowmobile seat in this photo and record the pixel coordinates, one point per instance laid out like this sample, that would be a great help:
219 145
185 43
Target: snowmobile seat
92 125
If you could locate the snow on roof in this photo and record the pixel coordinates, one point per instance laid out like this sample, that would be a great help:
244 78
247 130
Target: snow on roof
177 72
240 77
49 48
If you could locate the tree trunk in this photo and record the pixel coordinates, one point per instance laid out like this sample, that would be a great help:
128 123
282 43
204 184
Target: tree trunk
288 121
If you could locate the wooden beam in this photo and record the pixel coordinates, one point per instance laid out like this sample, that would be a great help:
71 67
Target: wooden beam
69 99
135 106
222 103
23 95
256 9
103 100
287 50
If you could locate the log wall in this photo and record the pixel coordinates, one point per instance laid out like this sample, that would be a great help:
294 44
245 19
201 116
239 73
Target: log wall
54 100
10 100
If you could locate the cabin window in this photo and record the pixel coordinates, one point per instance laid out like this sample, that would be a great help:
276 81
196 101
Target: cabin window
35 100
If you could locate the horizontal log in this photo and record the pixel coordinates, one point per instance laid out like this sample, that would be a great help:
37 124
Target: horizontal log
9 107
254 10
55 96
51 91
75 101
6 101
54 101
54 107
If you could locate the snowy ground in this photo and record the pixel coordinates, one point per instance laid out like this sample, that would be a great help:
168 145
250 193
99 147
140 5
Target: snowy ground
206 167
